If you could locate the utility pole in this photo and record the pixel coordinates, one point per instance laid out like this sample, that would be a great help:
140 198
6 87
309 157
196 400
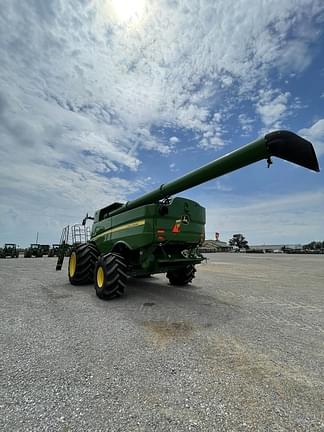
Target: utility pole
37 238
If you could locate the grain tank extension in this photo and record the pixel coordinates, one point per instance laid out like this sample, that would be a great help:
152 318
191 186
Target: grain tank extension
156 233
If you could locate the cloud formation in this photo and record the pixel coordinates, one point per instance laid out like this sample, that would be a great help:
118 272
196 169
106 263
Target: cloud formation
83 92
315 134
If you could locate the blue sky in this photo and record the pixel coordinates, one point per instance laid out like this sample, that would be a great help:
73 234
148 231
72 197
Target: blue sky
101 101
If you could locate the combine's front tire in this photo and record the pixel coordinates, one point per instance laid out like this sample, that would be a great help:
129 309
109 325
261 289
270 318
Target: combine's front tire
182 276
110 276
81 264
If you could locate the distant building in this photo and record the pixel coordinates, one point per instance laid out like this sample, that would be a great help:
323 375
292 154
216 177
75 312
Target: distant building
220 246
215 246
276 247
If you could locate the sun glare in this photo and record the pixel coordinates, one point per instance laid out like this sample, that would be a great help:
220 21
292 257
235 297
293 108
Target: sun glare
128 10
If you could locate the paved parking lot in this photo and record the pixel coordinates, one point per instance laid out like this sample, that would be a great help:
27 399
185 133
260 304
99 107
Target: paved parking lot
241 349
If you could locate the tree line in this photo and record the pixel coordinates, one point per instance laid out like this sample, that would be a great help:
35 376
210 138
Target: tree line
314 245
240 242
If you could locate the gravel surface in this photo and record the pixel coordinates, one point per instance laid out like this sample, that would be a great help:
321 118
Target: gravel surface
241 349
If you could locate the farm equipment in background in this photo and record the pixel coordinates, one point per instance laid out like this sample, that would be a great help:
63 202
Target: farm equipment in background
9 250
34 250
54 250
45 249
159 234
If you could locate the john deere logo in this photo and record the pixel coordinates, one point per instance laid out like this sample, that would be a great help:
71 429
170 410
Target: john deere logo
185 220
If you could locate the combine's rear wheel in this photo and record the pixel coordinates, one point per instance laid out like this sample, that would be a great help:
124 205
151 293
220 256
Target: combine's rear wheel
110 276
181 276
81 264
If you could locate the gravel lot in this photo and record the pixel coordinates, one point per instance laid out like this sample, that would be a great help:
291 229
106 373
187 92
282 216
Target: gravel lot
241 349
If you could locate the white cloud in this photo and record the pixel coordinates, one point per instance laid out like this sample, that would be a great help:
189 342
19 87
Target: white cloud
174 140
315 134
246 123
158 71
212 141
272 107
217 185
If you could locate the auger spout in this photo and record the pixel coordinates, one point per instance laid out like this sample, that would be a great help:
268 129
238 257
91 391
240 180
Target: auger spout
283 144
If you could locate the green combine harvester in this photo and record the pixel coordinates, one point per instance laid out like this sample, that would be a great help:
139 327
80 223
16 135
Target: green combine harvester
9 250
35 250
159 234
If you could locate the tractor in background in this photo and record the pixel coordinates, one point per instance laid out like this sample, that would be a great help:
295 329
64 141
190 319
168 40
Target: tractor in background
45 249
34 250
9 250
54 250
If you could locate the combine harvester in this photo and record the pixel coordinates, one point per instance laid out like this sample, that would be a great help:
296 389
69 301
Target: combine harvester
159 234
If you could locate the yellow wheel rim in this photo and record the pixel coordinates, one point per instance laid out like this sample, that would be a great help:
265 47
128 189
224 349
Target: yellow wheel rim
72 264
100 277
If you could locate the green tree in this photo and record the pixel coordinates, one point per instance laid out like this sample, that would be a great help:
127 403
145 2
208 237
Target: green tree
314 245
239 241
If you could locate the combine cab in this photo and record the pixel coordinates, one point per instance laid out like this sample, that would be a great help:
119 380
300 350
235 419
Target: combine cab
9 250
34 250
159 234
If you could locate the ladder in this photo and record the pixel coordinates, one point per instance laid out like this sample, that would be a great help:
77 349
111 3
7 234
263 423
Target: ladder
71 235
